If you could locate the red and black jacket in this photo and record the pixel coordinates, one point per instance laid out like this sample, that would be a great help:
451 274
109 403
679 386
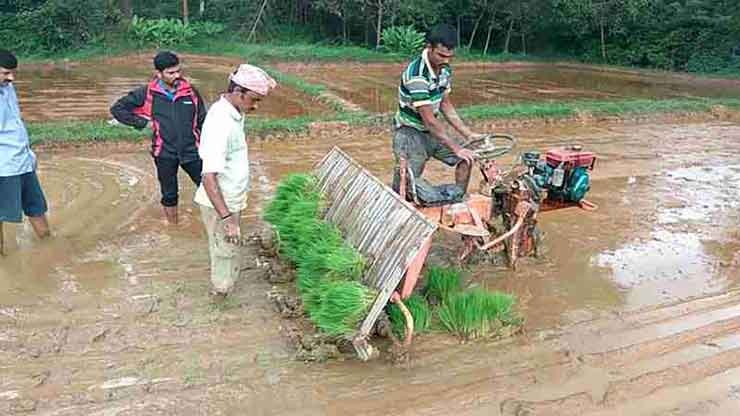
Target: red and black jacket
176 123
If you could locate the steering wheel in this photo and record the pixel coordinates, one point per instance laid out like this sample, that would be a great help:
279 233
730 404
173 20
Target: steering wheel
491 146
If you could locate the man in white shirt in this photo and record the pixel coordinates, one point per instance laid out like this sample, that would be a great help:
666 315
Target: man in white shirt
222 194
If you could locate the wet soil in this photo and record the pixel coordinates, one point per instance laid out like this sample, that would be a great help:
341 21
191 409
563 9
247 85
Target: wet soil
375 86
86 90
634 309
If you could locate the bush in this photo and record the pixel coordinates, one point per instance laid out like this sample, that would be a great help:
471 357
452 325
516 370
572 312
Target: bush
403 40
56 25
161 32
208 29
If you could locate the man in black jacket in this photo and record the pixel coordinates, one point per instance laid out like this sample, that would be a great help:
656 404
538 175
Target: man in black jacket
174 111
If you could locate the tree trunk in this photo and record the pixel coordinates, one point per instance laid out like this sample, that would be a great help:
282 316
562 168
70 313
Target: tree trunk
475 29
126 8
491 24
202 9
459 24
256 21
379 24
524 44
185 12
345 36
603 40
508 35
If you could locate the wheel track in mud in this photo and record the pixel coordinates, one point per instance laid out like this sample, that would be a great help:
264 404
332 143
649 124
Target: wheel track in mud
663 363
706 340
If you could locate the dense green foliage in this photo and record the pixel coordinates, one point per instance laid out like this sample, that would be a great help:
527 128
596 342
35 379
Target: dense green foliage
170 32
683 35
403 39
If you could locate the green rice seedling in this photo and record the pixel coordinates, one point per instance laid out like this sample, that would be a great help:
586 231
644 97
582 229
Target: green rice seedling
420 311
500 306
301 226
442 282
345 263
290 190
476 313
343 305
312 267
312 293
312 253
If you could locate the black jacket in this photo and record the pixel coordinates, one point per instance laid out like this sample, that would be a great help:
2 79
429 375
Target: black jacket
176 123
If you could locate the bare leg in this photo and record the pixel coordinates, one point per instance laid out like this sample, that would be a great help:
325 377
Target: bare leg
40 226
171 214
462 175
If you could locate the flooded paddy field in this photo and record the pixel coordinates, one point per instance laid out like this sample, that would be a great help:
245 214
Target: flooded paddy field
633 310
86 90
374 87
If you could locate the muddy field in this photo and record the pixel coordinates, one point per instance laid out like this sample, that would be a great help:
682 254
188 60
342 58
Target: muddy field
85 90
634 310
374 87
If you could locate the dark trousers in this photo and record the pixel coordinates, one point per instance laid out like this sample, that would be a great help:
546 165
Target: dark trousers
167 175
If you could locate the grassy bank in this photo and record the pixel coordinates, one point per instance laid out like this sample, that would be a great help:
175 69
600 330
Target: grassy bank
597 108
84 131
262 53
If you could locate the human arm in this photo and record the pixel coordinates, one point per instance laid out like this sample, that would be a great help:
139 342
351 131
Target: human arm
437 129
448 109
123 110
229 221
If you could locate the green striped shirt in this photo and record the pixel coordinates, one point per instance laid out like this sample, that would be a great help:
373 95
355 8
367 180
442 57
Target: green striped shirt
421 86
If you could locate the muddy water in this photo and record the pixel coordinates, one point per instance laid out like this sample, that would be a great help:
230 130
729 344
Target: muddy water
111 315
374 86
85 91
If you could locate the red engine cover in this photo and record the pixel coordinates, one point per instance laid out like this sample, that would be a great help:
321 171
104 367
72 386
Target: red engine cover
570 157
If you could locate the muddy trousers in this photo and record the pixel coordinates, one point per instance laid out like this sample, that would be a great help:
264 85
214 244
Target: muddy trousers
167 176
225 259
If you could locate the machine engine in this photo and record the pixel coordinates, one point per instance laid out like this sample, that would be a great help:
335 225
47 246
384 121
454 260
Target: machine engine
562 176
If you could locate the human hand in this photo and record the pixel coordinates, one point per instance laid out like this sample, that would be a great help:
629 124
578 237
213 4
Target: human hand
232 231
465 154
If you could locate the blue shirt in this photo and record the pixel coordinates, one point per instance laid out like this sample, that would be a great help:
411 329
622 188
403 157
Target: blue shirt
165 88
16 156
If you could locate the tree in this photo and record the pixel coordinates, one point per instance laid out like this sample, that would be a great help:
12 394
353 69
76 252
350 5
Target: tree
342 9
126 8
382 8
607 16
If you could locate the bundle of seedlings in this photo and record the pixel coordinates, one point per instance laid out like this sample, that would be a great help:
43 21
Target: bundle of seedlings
477 313
343 305
328 269
420 311
326 259
299 226
441 283
290 190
